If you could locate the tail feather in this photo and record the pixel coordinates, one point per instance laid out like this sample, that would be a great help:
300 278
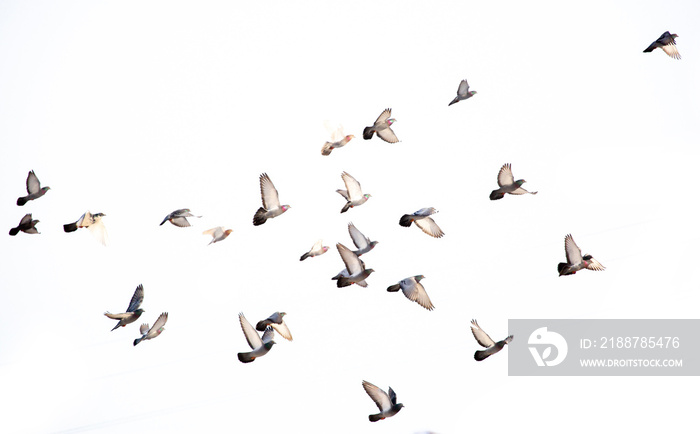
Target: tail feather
327 148
70 227
343 282
480 355
21 201
394 288
245 357
495 195
259 217
367 133
561 266
261 326
136 341
406 220
304 256
375 417
346 207
116 327
453 101
14 231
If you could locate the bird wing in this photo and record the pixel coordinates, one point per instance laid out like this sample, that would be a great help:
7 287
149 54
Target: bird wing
358 238
351 261
386 114
425 212
354 188
160 322
335 129
98 230
249 332
415 291
388 135
392 396
318 246
215 232
573 253
481 337
270 197
429 226
463 88
27 219
505 176
33 184
181 222
267 336
85 219
671 50
521 190
343 193
283 330
136 299
144 328
379 396
595 265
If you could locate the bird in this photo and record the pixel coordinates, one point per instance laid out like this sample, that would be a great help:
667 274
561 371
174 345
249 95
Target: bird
485 341
271 203
179 218
424 221
353 195
462 92
153 332
360 241
382 126
413 290
34 189
507 184
385 402
317 250
133 312
217 234
94 224
260 346
26 225
338 139
356 272
574 260
276 321
667 43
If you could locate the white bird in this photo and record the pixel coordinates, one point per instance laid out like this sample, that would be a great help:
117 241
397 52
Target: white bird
317 249
353 195
362 242
485 340
356 272
217 234
260 346
94 224
423 221
385 402
338 138
413 290
271 202
276 321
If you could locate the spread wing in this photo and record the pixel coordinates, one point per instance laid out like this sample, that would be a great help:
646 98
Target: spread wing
33 184
351 261
481 337
425 212
429 226
270 197
160 322
136 299
388 135
505 176
414 291
573 253
386 114
358 238
594 264
215 232
335 129
283 330
267 336
99 231
671 50
378 396
463 89
250 334
144 329
354 189
181 222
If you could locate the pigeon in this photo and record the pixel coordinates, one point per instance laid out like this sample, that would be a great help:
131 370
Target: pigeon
356 272
362 243
153 332
463 92
353 195
316 250
179 218
94 224
414 291
574 260
34 189
382 126
386 403
260 346
344 273
132 312
338 139
276 321
217 234
507 184
667 43
485 341
271 202
423 221
26 225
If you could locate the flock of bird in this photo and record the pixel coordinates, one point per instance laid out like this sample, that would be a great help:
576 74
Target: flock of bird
354 270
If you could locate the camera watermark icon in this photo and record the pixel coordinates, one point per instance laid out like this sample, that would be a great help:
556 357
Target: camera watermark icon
543 337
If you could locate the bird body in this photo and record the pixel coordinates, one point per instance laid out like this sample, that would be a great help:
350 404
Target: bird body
179 218
667 42
413 290
259 346
132 312
485 341
271 203
423 220
353 195
34 189
508 184
382 126
355 267
26 225
385 402
217 234
152 332
360 241
316 250
462 92
575 261
276 321
94 224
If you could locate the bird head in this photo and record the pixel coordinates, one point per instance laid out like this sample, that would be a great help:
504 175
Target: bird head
369 271
285 207
390 121
472 93
269 345
520 182
282 314
349 137
419 278
400 406
46 188
228 232
373 243
325 249
367 195
139 311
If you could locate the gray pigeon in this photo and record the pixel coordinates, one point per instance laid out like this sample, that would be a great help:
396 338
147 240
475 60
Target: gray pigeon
338 139
316 250
356 272
485 341
34 189
508 184
667 43
362 243
132 312
463 92
423 221
575 261
271 203
153 332
382 126
414 291
94 224
26 225
353 195
179 218
385 402
260 346
276 321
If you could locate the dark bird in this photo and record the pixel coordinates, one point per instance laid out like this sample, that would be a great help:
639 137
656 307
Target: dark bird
667 43
132 312
575 261
34 189
385 402
26 225
485 341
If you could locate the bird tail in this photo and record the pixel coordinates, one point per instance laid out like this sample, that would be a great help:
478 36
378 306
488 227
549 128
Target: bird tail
343 282
394 288
367 133
260 326
245 357
70 227
327 148
259 217
116 327
14 231
495 195
304 256
649 49
481 355
406 220
21 201
561 267
136 341
375 417
346 207
453 101
163 222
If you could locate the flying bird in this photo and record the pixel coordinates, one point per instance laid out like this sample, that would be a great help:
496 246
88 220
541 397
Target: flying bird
26 225
356 272
94 224
463 92
413 290
217 234
385 402
179 218
423 221
316 250
667 43
260 346
132 312
508 184
353 195
338 139
153 332
271 203
382 126
34 189
276 321
485 341
362 242
575 261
